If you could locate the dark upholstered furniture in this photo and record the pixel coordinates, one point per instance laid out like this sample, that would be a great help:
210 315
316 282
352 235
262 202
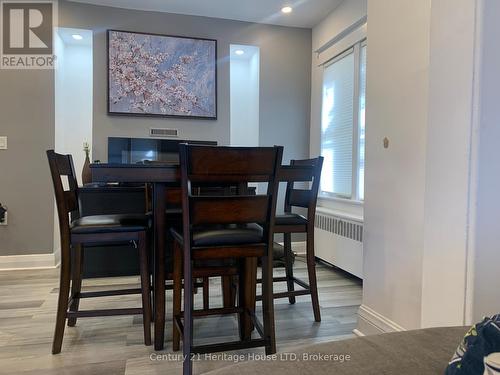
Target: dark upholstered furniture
79 231
419 352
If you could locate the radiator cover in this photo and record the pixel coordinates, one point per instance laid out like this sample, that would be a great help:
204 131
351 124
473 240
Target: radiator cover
339 241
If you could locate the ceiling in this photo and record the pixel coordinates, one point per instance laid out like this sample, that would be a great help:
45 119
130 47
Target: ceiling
306 13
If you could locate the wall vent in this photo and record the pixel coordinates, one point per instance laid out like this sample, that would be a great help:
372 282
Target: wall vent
159 132
340 227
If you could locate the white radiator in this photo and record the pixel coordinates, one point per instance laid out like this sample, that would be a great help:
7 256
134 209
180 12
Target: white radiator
339 241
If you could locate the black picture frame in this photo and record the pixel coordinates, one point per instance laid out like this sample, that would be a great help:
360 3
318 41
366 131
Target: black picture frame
159 115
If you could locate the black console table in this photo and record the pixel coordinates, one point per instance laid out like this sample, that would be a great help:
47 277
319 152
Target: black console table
118 260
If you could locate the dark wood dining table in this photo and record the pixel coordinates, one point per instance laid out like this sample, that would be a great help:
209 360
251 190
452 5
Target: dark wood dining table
161 176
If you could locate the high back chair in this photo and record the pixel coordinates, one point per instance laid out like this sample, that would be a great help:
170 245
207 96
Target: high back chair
224 236
89 230
304 171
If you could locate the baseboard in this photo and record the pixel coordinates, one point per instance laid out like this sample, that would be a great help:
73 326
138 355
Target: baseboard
371 322
31 261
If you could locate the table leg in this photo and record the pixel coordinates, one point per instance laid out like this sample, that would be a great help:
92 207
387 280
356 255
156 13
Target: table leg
159 262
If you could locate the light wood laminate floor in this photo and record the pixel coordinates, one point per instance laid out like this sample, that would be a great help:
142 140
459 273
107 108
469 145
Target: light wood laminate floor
114 345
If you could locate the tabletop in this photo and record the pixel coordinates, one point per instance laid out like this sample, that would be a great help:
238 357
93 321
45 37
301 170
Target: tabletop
169 172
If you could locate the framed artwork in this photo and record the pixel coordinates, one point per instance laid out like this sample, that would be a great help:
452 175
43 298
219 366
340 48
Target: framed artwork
161 75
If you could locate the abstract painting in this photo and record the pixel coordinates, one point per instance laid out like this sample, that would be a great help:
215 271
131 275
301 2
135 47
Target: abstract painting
160 75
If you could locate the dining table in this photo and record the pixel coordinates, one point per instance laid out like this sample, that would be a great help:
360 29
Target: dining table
162 176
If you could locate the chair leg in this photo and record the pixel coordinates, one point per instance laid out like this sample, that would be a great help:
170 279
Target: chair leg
311 270
268 303
206 301
62 303
287 239
247 294
234 289
227 299
177 293
187 338
145 287
149 250
76 281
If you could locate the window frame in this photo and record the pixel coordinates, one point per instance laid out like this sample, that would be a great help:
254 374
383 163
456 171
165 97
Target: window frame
356 50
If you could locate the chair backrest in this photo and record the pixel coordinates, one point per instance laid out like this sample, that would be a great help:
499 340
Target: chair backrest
305 198
66 200
206 165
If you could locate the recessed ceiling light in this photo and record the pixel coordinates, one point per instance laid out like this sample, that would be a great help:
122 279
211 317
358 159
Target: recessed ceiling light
287 10
77 37
239 52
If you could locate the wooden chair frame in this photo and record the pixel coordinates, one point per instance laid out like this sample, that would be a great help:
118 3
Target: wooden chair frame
304 198
72 266
224 165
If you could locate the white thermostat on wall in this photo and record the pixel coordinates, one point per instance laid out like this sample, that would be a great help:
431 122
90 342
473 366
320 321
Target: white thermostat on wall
3 143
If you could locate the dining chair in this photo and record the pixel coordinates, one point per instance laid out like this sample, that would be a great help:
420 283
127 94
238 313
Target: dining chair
224 236
77 232
307 171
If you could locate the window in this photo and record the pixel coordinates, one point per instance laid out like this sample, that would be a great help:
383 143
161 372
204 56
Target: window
343 124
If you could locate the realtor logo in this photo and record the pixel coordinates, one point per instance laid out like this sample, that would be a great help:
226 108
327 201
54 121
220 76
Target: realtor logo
27 34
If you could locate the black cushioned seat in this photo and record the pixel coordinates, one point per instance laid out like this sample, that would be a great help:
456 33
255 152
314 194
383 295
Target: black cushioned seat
110 224
290 219
222 236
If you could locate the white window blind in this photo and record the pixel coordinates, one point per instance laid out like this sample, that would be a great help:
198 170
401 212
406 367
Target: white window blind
337 126
361 120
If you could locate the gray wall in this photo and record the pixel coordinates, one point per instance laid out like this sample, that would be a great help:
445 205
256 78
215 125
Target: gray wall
27 119
284 85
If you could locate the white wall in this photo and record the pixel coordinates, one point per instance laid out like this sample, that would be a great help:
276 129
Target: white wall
431 245
396 108
59 49
346 14
244 96
73 96
59 102
448 166
73 102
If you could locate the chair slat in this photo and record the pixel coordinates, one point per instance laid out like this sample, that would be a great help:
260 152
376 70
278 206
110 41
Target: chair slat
228 178
64 165
229 210
71 200
67 201
305 162
301 173
225 252
300 198
236 161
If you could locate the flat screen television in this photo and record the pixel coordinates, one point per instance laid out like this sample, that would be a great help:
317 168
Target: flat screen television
144 150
